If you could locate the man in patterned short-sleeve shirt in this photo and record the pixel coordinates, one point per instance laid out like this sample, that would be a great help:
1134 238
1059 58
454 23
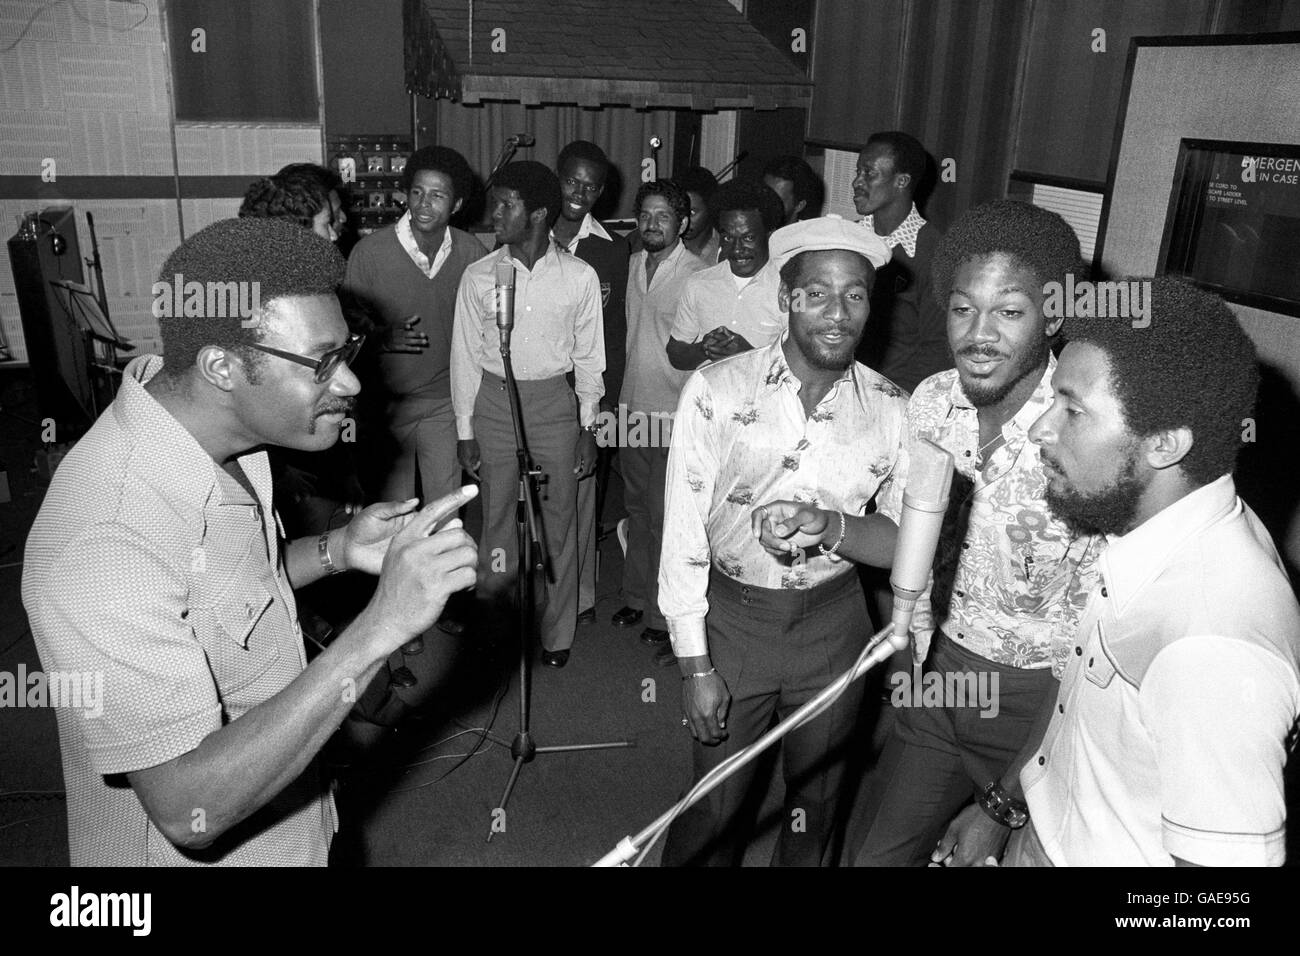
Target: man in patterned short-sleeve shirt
1010 580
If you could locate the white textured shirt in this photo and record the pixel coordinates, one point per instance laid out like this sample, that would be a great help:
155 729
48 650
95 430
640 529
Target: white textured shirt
558 329
904 233
153 568
406 239
741 438
1169 735
712 297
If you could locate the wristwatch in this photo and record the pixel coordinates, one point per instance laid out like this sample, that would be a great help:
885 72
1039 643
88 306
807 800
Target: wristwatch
1002 807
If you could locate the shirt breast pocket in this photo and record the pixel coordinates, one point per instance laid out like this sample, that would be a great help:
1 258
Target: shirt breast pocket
1098 667
241 644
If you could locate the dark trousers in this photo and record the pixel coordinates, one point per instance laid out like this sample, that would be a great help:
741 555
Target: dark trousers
938 758
776 649
645 471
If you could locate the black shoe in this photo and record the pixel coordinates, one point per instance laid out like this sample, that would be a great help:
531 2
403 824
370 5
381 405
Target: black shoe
555 658
588 616
626 617
411 648
402 677
664 656
654 637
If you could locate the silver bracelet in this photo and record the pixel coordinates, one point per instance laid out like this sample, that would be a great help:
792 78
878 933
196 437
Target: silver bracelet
708 673
323 552
838 541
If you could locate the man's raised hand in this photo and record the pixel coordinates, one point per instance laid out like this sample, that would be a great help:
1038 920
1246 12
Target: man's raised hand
426 562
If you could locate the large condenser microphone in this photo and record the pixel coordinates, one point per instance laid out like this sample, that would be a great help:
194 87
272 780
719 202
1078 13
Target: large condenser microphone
929 480
503 301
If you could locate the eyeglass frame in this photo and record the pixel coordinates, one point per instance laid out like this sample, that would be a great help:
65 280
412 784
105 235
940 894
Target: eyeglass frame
345 354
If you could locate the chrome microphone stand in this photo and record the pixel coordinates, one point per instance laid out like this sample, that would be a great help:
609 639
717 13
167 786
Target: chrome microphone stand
533 560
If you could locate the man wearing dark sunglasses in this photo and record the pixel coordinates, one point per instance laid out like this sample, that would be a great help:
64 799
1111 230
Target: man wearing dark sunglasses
155 565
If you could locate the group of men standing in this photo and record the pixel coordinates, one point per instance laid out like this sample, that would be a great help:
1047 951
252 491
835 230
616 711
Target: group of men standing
1095 564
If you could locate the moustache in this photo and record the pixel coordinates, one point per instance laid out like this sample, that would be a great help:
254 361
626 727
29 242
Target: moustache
344 408
975 350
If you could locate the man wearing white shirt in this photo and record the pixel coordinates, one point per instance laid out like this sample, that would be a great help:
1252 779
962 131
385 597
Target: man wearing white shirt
557 331
732 307
656 277
1175 714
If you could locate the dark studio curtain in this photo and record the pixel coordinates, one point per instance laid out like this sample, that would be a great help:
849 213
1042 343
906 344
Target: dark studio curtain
945 71
478 132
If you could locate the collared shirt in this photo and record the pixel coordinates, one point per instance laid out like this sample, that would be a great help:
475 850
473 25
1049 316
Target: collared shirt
904 233
651 384
151 567
1012 585
590 227
1169 738
608 255
558 328
741 438
407 240
712 298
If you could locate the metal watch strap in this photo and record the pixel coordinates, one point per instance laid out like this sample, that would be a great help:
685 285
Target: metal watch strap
323 551
1003 808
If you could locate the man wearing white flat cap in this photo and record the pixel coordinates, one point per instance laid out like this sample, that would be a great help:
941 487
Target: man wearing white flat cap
777 453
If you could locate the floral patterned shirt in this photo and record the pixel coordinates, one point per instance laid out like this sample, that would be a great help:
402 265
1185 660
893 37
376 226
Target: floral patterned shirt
1010 580
741 438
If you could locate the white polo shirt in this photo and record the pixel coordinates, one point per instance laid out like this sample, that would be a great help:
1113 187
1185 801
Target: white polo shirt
716 296
1169 736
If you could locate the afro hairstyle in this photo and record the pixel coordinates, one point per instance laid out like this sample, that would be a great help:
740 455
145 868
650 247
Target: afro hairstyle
537 186
1192 367
440 159
1037 239
586 150
275 257
740 195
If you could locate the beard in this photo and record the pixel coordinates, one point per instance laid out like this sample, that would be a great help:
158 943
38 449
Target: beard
822 356
656 242
984 394
1108 511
